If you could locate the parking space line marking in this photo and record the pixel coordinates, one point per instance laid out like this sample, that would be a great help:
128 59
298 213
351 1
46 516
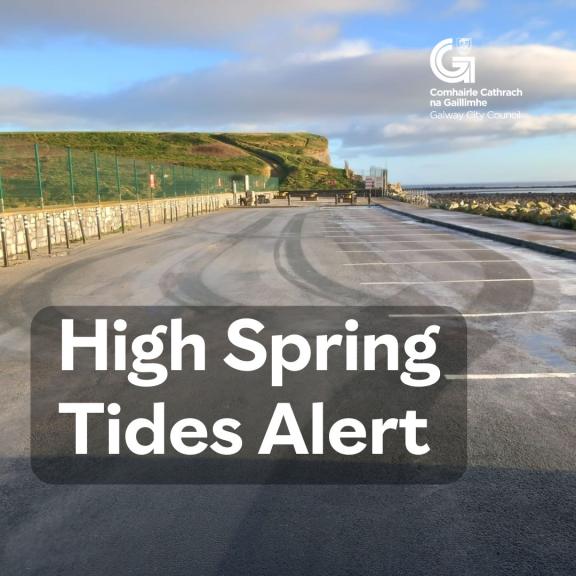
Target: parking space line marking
376 229
404 241
432 262
519 376
417 250
484 314
472 281
391 235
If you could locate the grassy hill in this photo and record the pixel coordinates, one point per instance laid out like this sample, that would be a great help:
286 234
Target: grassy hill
301 160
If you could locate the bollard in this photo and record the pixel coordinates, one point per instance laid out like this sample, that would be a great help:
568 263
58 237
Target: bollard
66 233
122 222
4 243
288 196
48 232
27 236
187 208
149 215
81 224
165 214
99 228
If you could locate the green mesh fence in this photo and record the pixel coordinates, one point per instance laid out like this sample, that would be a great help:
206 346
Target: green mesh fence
42 175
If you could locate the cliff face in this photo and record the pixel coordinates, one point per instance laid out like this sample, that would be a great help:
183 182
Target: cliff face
320 155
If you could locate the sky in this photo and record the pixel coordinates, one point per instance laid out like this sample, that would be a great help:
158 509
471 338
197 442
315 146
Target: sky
356 71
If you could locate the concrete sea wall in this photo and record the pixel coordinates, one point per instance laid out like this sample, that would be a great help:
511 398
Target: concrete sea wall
44 230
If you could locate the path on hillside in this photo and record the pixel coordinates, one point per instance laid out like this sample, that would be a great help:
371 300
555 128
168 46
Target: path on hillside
276 168
512 512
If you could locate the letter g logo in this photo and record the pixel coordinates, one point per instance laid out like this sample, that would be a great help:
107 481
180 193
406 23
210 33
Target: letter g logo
463 68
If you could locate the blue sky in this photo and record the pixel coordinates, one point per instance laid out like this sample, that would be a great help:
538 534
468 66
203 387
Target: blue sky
355 70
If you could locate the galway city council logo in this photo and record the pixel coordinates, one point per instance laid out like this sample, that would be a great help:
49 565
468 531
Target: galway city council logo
463 66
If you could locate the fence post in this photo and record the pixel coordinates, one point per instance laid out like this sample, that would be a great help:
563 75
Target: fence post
118 187
4 243
98 223
135 176
39 175
122 222
48 232
174 180
97 174
174 190
79 214
66 233
71 176
27 236
185 185
1 195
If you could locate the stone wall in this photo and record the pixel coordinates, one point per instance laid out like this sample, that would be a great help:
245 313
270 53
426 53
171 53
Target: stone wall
48 229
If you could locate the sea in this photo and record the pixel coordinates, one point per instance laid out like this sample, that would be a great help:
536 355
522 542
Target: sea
564 187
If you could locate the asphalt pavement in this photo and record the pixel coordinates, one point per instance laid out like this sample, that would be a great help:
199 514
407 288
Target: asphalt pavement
514 510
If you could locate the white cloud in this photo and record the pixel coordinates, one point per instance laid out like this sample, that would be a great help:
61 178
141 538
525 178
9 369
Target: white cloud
420 134
346 49
523 34
171 21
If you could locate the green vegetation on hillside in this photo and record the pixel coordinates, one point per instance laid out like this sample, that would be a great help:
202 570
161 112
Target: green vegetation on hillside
301 160
187 149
